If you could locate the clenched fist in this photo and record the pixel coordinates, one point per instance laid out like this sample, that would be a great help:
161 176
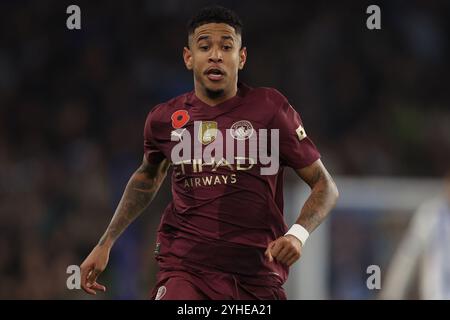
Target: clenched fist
286 249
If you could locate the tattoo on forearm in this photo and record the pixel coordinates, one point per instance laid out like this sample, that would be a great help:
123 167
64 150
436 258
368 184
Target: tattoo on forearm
318 174
321 200
140 190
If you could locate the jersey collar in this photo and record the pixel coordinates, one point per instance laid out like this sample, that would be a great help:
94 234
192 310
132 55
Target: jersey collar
193 101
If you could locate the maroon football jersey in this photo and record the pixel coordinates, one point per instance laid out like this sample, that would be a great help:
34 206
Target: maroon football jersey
224 210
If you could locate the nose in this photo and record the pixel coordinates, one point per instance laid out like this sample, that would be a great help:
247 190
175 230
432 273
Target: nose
216 56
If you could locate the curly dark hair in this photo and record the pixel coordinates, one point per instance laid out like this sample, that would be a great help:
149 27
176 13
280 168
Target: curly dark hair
215 14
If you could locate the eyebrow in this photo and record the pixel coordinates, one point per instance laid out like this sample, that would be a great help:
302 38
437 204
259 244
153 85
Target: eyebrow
206 37
227 38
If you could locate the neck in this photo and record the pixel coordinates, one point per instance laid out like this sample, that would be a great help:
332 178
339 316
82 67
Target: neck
202 94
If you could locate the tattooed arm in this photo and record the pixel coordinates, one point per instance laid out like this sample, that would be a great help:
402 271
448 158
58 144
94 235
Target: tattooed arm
139 192
323 197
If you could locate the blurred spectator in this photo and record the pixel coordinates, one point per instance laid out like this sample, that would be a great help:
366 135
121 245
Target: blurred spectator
424 253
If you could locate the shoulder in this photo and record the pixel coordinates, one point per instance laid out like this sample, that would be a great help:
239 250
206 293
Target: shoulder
269 95
269 102
162 112
272 99
164 108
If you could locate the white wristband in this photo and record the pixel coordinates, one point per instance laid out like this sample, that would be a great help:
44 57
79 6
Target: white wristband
299 232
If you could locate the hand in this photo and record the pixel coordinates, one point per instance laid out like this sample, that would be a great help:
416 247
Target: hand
286 249
91 268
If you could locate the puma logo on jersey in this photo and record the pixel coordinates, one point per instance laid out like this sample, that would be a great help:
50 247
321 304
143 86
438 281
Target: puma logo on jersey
177 134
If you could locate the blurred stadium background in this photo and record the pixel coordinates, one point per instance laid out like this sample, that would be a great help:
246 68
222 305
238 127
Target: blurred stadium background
73 106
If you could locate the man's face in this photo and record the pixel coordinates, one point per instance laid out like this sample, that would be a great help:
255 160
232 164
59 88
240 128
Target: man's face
215 56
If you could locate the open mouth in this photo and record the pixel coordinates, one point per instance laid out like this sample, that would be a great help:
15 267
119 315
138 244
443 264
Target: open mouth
215 74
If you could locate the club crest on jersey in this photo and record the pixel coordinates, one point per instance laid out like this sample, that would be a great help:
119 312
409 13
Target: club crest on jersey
207 132
241 130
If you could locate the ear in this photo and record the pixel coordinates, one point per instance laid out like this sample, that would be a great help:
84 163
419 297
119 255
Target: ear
187 56
242 57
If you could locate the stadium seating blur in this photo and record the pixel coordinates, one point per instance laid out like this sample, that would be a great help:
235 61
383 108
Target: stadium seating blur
73 105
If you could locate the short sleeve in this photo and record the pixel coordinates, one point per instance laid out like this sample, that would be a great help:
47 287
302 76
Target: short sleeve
296 149
151 151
